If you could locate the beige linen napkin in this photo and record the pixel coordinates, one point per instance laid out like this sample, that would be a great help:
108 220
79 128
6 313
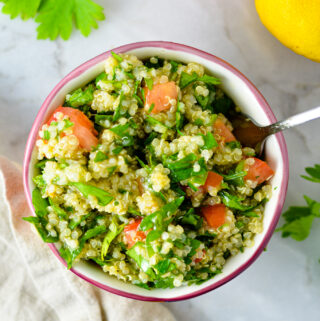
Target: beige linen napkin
34 285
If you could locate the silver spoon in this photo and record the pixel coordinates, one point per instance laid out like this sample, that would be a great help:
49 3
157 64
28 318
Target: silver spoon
251 134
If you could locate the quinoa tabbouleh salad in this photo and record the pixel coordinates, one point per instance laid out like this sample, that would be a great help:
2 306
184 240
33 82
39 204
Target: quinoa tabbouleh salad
139 172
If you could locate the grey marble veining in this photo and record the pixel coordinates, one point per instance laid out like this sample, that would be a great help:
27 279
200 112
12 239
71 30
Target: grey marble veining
284 283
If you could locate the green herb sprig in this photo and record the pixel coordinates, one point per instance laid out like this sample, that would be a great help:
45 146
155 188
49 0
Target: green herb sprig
299 219
56 17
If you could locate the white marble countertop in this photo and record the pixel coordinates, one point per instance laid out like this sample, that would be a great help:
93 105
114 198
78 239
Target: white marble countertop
284 283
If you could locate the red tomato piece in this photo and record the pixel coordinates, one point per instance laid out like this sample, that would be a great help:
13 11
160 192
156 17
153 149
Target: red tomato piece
160 95
83 127
132 233
215 215
258 172
213 180
221 129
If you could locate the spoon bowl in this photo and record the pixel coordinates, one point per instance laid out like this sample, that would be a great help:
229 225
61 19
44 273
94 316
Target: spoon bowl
251 134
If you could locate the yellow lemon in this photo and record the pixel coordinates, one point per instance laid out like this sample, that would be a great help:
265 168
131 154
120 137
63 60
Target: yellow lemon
295 23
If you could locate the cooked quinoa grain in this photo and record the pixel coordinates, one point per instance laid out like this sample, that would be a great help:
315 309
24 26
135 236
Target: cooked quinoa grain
139 172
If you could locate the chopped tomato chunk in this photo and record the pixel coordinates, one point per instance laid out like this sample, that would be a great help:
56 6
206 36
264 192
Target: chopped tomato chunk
215 215
160 95
221 129
132 234
259 171
213 180
83 127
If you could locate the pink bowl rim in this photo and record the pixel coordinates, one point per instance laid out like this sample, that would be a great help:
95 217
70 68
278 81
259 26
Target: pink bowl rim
173 47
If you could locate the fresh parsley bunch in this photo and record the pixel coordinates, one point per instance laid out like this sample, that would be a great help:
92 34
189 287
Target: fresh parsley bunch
299 219
56 17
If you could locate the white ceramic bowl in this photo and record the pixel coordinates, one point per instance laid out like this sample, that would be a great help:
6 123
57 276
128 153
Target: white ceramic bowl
245 95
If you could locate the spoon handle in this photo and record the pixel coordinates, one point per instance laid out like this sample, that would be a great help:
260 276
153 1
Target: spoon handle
292 121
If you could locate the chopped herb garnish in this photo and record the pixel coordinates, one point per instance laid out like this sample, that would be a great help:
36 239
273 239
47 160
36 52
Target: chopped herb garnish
154 122
100 156
57 209
178 190
103 197
70 255
140 102
129 75
39 181
233 202
136 85
160 219
116 56
183 169
209 80
143 95
179 118
231 177
120 130
40 221
191 219
209 141
46 135
160 195
249 214
39 203
74 223
174 66
114 231
43 162
151 108
111 170
143 165
187 79
40 224
195 189
63 163
127 141
152 236
239 224
140 260
101 76
101 119
206 237
237 177
164 266
117 150
234 144
117 113
80 97
222 104
203 101
149 83
150 138
67 124
133 211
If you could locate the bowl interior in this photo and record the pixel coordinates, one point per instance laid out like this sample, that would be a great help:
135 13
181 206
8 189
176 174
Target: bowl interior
250 102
